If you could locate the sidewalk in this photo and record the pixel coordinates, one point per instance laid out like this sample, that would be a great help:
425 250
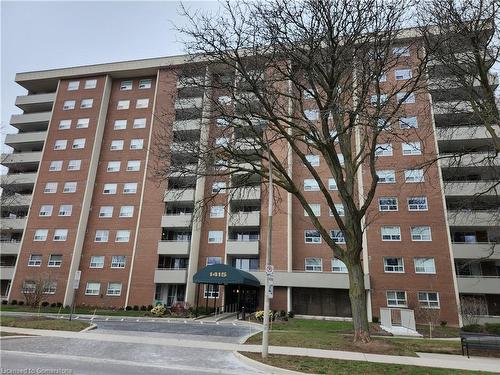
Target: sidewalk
424 359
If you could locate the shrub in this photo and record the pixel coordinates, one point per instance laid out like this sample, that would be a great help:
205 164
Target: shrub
4 302
13 302
143 308
492 328
259 315
158 310
21 303
136 308
291 314
128 308
45 304
53 304
59 304
375 319
473 328
150 307
443 323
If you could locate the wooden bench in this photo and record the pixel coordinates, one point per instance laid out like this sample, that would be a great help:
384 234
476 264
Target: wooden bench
483 341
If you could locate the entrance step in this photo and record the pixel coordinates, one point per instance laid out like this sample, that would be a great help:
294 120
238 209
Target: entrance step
219 317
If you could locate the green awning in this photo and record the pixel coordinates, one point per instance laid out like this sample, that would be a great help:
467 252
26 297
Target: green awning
224 274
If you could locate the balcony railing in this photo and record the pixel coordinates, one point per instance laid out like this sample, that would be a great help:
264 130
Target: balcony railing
174 247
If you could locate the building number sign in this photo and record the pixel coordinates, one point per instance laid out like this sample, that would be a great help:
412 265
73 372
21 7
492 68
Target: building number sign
218 274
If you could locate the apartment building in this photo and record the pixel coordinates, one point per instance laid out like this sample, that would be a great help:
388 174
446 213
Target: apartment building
83 205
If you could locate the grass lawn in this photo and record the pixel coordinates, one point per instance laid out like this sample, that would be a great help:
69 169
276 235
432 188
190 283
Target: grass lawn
43 323
56 310
340 367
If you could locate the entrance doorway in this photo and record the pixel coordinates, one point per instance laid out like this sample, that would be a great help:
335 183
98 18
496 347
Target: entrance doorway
238 296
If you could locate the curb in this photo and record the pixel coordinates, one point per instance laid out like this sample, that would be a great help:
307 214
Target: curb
266 368
89 328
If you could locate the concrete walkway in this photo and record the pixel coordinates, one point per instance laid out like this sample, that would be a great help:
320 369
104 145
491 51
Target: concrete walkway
424 359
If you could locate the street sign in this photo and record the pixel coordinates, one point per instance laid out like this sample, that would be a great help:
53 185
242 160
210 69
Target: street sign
269 291
76 281
269 269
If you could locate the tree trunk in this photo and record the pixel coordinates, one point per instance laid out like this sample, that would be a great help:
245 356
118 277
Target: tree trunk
357 295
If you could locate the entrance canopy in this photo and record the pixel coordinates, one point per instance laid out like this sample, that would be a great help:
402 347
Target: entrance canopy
222 274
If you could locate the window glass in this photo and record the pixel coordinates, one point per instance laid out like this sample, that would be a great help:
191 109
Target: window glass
312 236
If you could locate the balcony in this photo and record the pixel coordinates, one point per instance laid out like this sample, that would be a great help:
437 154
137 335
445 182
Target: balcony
473 159
184 170
186 125
182 195
471 188
176 221
450 83
16 200
25 141
188 103
18 179
12 224
462 133
10 247
302 279
190 81
452 107
170 276
31 121
17 158
245 219
36 102
184 147
478 284
465 218
244 144
174 248
476 250
235 247
246 193
7 273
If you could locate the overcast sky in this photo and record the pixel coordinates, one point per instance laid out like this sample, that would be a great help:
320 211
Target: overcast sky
42 35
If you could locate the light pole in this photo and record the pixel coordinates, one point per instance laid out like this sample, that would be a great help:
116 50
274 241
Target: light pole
267 298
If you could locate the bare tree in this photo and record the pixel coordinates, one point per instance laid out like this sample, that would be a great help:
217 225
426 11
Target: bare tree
304 78
427 315
472 308
34 290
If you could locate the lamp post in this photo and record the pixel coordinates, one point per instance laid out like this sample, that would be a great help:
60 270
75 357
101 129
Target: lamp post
267 297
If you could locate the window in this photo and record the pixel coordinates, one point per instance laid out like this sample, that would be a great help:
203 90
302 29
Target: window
388 204
408 123
402 74
126 211
311 114
428 300
142 103
139 123
126 85
422 233
116 145
338 266
314 264
221 122
118 261
400 97
106 211
133 165
120 125
332 184
218 187
217 211
55 165
92 289
109 189
65 210
136 144
386 177
86 103
394 265
396 298
64 124
414 175
45 210
341 159
55 260
50 288
130 188
310 184
313 160
412 148
337 236
214 260
145 84
78 144
74 165
390 233
60 144
375 99
69 104
114 289
123 104
215 236
224 99
60 235
97 261
417 204
35 260
340 209
29 286
69 187
222 141
315 208
211 291
383 149
382 123
50 188
401 51
424 265
307 94
82 123
91 83
312 236
113 166
382 78
122 236
101 235
73 85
